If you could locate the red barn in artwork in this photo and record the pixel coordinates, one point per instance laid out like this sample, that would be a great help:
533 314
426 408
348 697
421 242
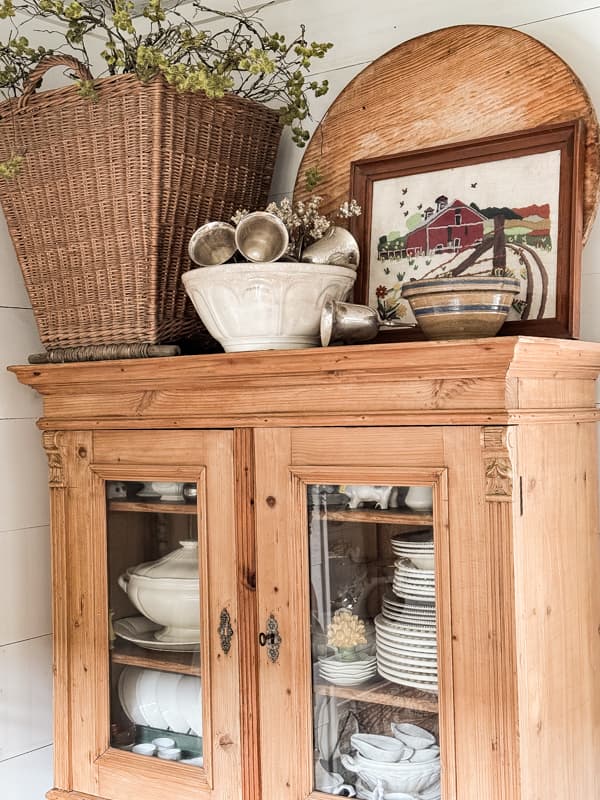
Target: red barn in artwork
447 229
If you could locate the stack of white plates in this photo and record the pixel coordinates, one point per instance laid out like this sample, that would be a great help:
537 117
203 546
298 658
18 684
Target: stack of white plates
413 583
347 673
408 611
418 547
165 700
407 652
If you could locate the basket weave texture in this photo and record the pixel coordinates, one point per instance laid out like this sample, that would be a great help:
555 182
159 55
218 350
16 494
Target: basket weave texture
111 191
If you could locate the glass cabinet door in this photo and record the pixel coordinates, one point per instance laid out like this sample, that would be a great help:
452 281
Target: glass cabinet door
154 598
156 649
373 641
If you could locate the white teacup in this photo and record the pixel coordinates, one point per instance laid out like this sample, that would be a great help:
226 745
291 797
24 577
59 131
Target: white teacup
169 753
419 498
145 749
169 491
163 742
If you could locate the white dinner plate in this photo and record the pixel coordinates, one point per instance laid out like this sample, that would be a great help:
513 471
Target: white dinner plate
414 592
402 567
414 624
410 666
404 544
398 630
410 577
427 647
189 702
409 617
147 698
424 589
428 654
141 631
356 681
166 695
393 601
405 680
333 669
414 538
128 694
420 613
404 673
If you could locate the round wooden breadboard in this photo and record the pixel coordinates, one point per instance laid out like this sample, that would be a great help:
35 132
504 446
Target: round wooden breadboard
451 85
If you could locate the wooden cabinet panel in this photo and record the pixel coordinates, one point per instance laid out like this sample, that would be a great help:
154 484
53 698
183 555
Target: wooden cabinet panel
557 580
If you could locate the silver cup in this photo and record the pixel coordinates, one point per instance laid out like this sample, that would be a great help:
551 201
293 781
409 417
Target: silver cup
351 323
347 322
261 236
337 247
212 244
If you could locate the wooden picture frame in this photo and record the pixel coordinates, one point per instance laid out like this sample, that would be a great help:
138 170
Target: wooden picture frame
417 221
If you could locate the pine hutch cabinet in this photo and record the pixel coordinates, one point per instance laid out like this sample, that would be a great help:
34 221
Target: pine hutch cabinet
437 502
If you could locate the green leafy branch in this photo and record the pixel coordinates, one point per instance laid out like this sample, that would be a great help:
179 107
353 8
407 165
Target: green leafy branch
241 56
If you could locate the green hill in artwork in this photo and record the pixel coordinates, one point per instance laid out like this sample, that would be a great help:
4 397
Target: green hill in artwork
493 211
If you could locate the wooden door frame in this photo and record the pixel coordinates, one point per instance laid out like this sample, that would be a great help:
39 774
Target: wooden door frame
96 768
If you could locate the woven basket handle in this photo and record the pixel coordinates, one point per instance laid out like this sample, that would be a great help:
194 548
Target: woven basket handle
45 64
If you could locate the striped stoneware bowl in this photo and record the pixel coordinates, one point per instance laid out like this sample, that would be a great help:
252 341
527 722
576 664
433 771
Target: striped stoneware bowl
461 308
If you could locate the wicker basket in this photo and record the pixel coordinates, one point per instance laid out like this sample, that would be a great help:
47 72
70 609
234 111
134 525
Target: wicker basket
110 193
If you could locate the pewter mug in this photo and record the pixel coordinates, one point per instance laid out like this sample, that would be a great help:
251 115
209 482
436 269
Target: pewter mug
261 237
212 244
351 323
347 322
337 246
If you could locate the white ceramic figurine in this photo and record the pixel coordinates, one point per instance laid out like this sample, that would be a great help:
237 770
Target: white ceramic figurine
368 494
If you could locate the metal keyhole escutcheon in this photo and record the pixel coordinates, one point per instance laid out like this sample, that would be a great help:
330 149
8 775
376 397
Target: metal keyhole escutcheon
225 631
271 639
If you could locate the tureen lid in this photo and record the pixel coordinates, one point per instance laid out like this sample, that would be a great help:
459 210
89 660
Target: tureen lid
181 564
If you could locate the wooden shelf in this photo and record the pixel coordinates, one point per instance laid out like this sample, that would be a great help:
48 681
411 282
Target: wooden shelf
382 692
153 507
132 655
395 516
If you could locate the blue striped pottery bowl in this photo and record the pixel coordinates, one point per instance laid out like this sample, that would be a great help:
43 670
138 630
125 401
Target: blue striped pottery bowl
460 308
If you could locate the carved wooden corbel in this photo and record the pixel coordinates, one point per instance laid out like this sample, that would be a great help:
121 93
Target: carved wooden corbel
51 444
498 464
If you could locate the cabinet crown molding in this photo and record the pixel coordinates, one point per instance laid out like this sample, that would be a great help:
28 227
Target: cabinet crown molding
481 381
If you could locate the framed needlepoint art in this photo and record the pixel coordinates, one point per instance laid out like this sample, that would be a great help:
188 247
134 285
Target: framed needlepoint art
511 203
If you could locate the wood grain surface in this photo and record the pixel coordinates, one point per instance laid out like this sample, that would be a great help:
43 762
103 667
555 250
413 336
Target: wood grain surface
452 85
481 381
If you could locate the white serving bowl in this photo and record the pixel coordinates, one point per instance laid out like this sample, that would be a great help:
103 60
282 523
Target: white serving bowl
266 306
167 592
378 748
428 754
402 776
413 735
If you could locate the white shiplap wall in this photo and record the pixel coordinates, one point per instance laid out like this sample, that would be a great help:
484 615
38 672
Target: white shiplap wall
361 31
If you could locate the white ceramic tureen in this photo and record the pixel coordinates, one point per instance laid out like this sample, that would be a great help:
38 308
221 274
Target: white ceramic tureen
167 591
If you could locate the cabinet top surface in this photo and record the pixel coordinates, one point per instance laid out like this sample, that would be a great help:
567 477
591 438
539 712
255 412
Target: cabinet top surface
346 385
511 355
